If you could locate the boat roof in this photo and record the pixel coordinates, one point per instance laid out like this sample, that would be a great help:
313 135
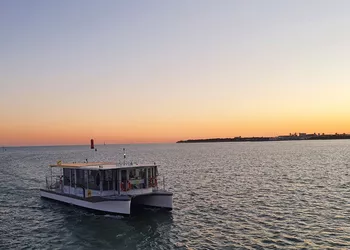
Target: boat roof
99 165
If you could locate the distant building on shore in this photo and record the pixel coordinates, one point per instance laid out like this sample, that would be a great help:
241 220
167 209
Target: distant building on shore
290 137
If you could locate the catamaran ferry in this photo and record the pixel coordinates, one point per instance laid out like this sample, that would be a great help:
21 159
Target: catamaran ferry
106 187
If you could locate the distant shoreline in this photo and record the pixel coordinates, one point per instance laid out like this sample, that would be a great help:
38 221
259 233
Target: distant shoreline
291 137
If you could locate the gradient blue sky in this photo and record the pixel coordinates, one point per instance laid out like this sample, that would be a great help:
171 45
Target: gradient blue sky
159 71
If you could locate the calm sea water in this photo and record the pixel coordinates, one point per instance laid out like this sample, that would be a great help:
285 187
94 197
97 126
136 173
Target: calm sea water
259 195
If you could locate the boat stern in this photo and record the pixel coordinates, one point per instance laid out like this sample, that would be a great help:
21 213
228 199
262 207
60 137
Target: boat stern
158 198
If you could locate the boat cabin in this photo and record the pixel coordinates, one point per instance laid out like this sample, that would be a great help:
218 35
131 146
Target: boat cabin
102 179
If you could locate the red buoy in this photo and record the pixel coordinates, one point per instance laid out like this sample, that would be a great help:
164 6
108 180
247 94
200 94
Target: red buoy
92 146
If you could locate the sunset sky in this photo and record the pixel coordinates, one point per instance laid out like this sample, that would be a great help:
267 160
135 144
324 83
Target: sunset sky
162 71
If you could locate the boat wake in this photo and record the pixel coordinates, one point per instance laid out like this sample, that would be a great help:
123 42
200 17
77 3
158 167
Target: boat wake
24 207
117 217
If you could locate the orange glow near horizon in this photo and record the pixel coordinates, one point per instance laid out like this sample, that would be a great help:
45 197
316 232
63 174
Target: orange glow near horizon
165 132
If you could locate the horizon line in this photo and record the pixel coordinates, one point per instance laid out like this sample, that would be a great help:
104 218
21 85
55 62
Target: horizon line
65 145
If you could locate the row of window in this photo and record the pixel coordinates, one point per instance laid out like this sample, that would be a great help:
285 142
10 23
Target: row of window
108 177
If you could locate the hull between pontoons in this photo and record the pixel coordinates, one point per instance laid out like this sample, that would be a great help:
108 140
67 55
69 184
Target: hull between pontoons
159 199
121 206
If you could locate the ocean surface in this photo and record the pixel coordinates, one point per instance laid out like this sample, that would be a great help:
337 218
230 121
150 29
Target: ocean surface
240 195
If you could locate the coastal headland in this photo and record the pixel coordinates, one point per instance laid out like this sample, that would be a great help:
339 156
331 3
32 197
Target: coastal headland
290 137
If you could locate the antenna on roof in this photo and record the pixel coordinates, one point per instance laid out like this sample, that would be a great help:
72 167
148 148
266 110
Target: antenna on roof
124 155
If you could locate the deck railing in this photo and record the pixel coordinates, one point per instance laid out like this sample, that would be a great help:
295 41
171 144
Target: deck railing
54 182
133 184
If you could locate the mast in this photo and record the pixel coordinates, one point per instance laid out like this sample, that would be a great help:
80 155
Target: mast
124 155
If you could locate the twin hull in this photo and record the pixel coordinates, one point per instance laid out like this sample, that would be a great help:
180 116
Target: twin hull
115 205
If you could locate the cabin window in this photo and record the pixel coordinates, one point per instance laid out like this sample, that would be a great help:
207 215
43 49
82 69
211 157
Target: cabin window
142 173
86 176
72 178
94 180
66 176
123 175
123 184
149 172
153 170
137 174
108 180
132 174
80 178
116 179
137 178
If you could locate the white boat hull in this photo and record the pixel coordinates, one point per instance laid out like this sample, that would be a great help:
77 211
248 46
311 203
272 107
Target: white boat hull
160 199
117 206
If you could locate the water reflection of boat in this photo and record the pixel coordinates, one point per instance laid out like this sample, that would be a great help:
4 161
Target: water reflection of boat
139 231
106 187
